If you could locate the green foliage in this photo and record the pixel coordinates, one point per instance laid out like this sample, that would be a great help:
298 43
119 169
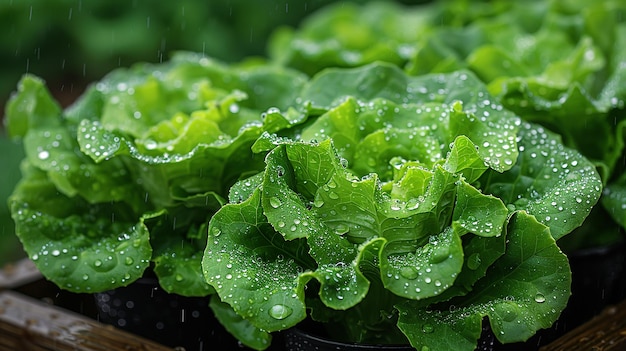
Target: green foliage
403 205
413 186
559 64
132 172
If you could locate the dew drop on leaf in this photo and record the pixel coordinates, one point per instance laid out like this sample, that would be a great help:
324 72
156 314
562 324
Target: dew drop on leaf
233 108
473 261
280 311
539 298
275 202
43 155
427 329
508 311
341 229
440 254
409 272
280 171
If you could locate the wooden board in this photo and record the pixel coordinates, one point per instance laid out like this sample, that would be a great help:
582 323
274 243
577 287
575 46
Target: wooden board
605 332
30 324
18 274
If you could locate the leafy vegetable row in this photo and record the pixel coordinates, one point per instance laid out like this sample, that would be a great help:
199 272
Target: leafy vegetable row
376 200
391 201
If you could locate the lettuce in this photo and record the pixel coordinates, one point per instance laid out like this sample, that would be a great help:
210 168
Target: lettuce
392 206
348 35
559 64
130 174
403 208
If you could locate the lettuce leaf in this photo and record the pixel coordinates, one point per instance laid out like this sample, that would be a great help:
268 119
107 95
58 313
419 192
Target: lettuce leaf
520 295
348 35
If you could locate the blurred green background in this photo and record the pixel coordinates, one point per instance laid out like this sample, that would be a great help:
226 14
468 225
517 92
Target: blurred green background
70 43
73 42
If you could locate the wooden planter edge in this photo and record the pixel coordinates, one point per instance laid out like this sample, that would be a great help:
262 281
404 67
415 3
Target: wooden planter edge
27 323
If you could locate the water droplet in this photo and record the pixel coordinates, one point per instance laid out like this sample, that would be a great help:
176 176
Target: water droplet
129 260
539 298
440 254
275 202
508 312
85 277
43 155
473 261
280 311
280 171
97 263
409 272
216 231
179 278
427 328
150 144
333 195
341 229
233 108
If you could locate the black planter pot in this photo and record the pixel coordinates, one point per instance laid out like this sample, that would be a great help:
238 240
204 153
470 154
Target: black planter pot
311 337
297 339
144 309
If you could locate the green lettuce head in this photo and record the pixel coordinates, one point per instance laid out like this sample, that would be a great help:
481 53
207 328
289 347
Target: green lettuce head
402 209
131 173
559 64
